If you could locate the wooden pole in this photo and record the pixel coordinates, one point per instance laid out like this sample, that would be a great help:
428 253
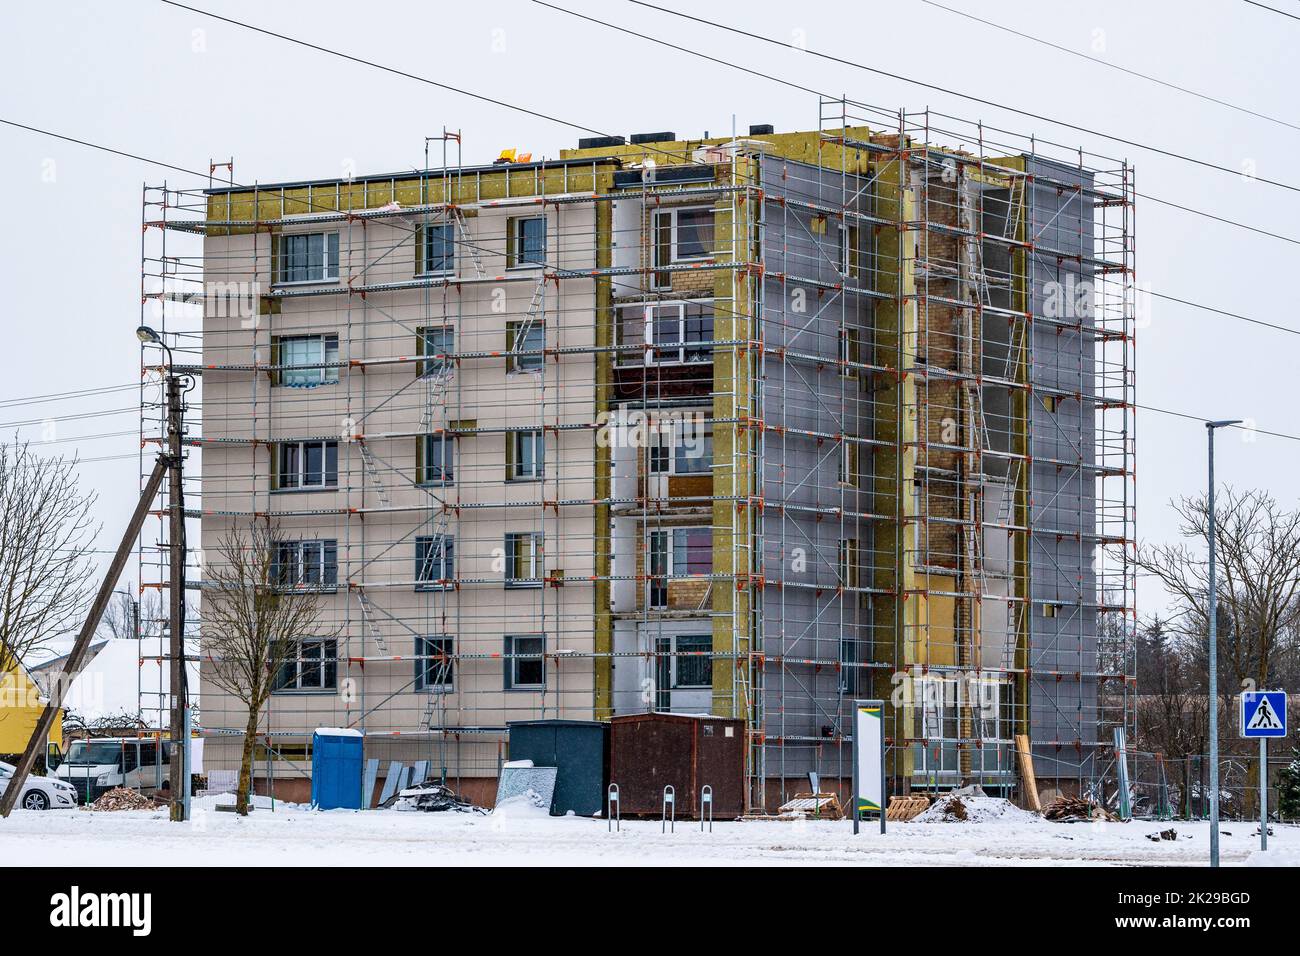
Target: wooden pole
61 680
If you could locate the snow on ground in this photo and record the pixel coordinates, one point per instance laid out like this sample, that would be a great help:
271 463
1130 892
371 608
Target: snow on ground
292 834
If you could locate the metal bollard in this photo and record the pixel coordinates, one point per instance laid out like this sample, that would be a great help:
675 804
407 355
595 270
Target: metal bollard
670 800
706 800
613 809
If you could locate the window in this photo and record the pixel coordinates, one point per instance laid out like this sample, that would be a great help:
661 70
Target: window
528 336
527 243
692 551
849 671
524 459
847 251
849 562
307 464
692 449
657 575
678 333
434 668
935 711
302 360
682 234
436 464
434 342
309 257
677 553
524 664
848 471
311 665
692 663
435 562
524 559
438 249
306 563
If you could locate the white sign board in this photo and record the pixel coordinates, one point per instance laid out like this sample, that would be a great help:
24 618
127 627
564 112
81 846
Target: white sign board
868 756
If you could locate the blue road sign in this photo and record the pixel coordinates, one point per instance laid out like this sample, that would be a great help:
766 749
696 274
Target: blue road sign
1263 713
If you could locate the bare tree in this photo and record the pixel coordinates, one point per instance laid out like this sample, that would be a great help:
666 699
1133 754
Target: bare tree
1258 549
251 624
46 533
125 612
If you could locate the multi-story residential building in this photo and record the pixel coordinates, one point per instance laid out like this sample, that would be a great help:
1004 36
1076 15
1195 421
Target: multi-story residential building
748 426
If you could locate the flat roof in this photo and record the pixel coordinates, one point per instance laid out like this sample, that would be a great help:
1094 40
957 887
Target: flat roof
412 174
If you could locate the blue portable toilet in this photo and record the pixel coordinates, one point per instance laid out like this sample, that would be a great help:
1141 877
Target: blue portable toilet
337 759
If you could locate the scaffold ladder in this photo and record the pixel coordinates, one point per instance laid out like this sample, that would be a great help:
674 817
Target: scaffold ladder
372 472
368 616
462 232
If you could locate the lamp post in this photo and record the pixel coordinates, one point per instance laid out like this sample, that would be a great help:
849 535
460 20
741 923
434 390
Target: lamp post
180 737
1214 656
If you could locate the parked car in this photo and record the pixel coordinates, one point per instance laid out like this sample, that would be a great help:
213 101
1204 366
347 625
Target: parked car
40 793
97 765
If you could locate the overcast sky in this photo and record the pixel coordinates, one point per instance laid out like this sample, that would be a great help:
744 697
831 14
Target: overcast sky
168 84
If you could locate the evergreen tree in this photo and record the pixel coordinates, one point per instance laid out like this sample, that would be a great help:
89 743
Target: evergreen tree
1288 787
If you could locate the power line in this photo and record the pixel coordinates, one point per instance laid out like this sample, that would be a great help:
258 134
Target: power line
1160 151
1113 66
78 416
1186 302
63 396
1263 6
167 165
805 89
1202 420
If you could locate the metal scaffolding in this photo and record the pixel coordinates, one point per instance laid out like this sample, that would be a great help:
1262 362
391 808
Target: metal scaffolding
750 426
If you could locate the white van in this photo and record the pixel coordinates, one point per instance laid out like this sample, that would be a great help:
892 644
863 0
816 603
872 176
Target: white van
102 763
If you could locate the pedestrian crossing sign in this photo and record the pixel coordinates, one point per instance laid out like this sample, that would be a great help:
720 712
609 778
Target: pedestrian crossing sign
1263 713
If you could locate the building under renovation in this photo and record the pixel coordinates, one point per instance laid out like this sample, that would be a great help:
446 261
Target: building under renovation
751 426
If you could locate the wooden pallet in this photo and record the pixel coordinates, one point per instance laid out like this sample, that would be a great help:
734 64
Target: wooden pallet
903 809
817 806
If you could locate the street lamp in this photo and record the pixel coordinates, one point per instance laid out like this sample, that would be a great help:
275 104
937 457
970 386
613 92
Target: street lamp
180 731
1214 657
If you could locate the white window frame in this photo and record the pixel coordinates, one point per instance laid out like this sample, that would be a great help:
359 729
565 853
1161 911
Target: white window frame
537 438
681 346
668 441
324 658
326 344
326 275
300 479
301 547
534 542
675 257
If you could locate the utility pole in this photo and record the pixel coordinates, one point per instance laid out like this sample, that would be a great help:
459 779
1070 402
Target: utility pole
1214 658
179 768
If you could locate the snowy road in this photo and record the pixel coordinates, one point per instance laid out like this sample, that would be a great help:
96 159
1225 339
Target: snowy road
297 836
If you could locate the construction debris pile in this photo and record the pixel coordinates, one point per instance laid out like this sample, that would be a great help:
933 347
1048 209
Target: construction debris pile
431 798
971 805
123 798
1076 809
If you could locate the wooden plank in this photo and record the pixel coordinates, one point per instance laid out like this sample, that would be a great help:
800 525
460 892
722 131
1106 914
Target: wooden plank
1027 778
